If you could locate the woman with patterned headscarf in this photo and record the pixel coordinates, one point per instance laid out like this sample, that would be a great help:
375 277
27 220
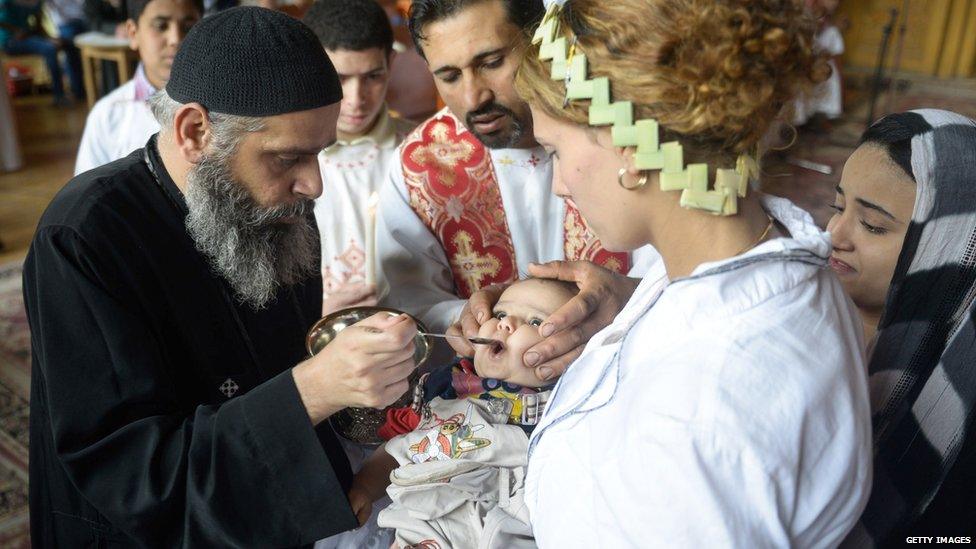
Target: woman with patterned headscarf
727 404
904 247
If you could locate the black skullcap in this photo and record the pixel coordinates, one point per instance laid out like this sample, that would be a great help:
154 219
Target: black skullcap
251 61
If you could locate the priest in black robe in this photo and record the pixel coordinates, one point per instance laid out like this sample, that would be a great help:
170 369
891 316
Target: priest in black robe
172 402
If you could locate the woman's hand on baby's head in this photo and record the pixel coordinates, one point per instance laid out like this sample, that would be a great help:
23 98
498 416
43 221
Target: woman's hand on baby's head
603 293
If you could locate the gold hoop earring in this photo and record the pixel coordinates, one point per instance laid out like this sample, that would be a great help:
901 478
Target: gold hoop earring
796 135
640 182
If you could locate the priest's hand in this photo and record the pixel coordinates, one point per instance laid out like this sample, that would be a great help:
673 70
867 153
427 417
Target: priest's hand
603 293
476 312
365 366
350 294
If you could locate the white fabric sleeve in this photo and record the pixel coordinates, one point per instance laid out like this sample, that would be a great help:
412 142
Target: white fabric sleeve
413 261
92 152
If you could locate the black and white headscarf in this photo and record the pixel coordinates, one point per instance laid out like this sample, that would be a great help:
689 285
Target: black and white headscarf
923 368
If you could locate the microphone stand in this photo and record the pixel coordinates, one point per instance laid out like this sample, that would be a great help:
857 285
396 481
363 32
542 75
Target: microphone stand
879 69
893 88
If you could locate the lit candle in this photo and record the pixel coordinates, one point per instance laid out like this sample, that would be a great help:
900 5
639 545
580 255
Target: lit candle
371 238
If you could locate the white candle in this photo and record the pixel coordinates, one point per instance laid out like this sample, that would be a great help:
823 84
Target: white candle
371 238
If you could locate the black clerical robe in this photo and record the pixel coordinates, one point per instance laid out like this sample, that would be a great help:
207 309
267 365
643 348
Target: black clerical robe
163 412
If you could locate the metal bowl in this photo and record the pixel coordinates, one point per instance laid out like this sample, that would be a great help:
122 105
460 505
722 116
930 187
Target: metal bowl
361 424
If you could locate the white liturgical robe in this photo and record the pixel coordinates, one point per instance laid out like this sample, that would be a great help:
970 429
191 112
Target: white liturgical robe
118 124
352 170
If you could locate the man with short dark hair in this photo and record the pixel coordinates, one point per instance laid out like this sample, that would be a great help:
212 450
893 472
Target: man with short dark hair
120 122
172 400
506 20
357 36
471 203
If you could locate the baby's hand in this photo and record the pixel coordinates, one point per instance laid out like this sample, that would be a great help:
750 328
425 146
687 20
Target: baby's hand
369 484
361 503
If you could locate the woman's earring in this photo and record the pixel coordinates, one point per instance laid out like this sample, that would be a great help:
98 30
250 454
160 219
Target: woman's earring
640 182
792 142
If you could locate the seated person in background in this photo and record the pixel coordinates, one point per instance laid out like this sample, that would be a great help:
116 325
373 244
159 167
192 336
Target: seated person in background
121 121
21 33
357 37
68 17
458 466
903 239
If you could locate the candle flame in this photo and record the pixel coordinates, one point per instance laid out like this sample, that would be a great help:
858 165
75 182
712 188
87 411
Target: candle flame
374 200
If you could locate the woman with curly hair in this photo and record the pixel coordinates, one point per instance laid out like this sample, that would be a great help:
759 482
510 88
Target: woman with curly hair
727 404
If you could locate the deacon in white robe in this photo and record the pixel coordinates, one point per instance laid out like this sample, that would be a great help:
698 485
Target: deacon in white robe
456 216
352 171
118 124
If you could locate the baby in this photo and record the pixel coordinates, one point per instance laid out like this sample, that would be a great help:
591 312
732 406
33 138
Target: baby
455 470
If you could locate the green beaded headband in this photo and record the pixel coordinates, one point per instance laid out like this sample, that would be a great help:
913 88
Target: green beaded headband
570 66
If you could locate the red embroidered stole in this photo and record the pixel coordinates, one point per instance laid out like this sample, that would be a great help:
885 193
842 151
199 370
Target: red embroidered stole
452 187
580 243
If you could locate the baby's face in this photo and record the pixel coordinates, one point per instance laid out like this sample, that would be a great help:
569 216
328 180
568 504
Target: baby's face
520 311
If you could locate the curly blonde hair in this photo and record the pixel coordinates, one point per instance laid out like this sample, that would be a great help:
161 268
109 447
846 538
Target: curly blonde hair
713 73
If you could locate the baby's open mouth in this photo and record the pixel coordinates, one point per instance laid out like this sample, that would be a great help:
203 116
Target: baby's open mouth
496 350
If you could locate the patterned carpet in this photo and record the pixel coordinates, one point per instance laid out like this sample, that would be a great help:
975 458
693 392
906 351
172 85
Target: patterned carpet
14 392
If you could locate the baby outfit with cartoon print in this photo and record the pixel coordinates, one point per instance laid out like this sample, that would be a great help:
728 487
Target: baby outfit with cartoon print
462 467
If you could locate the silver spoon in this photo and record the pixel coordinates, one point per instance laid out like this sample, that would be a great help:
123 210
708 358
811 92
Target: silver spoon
475 340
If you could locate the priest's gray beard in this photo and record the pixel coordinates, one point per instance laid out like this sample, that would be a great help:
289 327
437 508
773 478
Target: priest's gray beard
249 246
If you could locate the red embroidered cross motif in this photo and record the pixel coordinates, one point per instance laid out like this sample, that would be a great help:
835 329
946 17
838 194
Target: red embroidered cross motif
452 187
580 243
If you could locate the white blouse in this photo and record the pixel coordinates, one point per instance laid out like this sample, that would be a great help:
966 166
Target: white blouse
725 409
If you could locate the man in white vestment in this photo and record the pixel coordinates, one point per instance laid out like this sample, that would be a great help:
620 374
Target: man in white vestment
358 39
470 203
121 122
